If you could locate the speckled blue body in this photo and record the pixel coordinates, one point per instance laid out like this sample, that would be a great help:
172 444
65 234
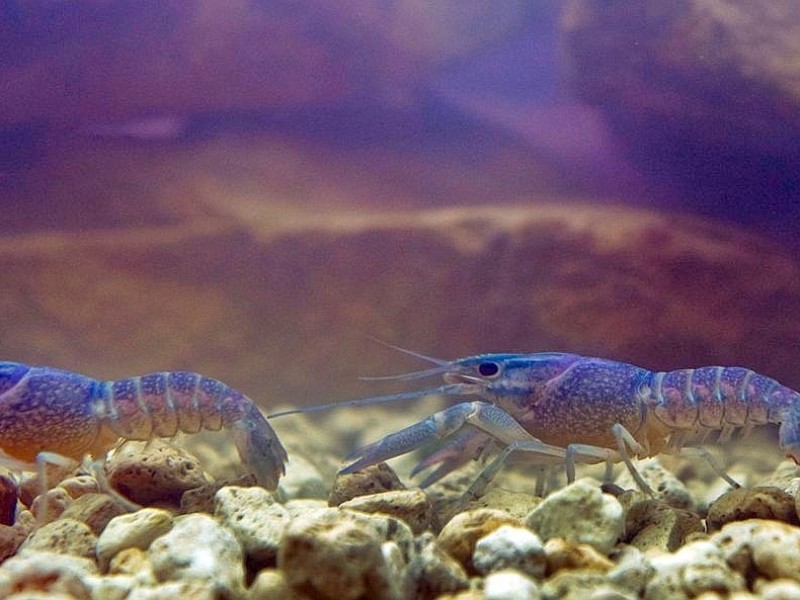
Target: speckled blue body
564 409
57 411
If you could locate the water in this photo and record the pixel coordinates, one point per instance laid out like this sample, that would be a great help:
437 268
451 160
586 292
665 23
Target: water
249 190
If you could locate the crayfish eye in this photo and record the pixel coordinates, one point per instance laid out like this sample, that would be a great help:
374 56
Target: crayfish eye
488 369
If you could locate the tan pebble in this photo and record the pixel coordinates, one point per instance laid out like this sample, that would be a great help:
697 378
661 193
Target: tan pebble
372 480
79 485
96 510
30 487
185 590
65 536
459 536
201 499
432 571
562 554
198 548
751 503
11 538
132 530
47 572
271 584
778 589
335 559
132 561
581 513
771 548
411 506
517 504
256 519
51 505
157 473
652 525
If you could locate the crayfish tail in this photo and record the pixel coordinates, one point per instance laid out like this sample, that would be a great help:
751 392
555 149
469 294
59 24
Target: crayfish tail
259 447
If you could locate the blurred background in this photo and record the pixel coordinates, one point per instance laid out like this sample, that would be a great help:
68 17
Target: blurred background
251 188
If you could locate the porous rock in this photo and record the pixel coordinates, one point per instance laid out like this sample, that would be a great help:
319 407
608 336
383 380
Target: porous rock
11 538
579 513
133 530
517 504
133 562
372 480
632 570
190 590
201 499
270 584
461 533
64 536
562 554
579 585
78 485
653 524
510 585
329 555
432 572
47 571
51 505
96 510
751 503
198 549
770 548
509 547
411 506
695 568
156 473
255 518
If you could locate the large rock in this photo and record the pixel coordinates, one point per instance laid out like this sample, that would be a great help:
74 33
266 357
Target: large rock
704 89
278 301
98 61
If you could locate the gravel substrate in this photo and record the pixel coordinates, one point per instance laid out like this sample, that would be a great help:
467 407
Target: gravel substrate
368 536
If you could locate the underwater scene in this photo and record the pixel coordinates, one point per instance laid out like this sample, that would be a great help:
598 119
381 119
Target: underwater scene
399 300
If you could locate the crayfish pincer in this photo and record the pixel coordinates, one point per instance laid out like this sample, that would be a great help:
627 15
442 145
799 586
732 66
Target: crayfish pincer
46 411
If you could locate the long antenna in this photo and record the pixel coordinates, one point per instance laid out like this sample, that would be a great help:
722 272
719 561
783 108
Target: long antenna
449 390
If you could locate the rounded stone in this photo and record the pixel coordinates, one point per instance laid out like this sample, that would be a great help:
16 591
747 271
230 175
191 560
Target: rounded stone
565 555
133 530
255 518
96 510
199 550
751 503
651 524
770 548
432 572
509 547
579 513
48 572
461 533
332 557
411 506
695 568
156 473
64 536
510 585
372 480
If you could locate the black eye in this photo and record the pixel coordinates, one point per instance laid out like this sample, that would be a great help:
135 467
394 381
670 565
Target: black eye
488 369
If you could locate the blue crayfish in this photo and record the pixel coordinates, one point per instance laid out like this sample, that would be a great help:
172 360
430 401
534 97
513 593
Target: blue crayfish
49 411
564 409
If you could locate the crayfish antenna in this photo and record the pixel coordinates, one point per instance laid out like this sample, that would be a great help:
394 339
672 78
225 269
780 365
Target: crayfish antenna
451 389
430 359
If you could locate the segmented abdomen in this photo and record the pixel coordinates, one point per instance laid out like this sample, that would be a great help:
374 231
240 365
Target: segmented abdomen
717 398
161 404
